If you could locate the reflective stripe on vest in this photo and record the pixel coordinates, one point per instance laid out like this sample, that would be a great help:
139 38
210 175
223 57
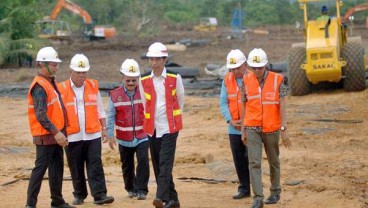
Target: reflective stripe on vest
92 121
54 110
263 105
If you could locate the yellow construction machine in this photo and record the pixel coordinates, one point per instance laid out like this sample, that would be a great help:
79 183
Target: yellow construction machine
327 55
206 24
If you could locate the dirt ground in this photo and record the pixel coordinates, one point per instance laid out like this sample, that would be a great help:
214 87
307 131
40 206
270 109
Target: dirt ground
326 166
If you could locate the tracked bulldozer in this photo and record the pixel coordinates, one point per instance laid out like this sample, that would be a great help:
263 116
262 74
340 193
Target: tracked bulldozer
327 55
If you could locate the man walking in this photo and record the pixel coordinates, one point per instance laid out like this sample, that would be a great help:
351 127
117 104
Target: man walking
47 120
126 113
86 119
232 108
265 118
164 101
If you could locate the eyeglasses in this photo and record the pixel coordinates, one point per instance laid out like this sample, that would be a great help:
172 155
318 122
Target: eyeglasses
131 80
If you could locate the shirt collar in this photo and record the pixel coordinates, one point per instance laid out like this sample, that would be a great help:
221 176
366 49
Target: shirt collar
163 74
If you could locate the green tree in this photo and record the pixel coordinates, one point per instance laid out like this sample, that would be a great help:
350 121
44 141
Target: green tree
17 43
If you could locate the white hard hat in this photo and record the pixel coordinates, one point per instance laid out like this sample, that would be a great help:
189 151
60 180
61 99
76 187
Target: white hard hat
130 68
48 54
257 58
234 59
79 63
157 50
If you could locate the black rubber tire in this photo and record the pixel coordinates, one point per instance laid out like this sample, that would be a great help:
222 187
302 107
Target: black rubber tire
298 81
354 71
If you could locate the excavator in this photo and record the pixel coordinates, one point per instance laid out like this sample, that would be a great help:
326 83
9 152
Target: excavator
54 29
357 8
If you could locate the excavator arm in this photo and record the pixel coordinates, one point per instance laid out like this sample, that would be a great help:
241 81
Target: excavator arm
71 7
357 8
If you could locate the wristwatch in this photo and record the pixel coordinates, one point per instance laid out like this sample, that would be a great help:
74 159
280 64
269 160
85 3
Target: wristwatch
283 128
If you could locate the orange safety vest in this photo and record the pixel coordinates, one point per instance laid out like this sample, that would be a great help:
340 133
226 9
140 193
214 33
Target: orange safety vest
263 104
173 110
90 106
54 110
129 116
234 95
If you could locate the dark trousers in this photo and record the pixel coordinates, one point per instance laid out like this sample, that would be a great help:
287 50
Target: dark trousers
240 157
138 182
86 153
51 157
162 155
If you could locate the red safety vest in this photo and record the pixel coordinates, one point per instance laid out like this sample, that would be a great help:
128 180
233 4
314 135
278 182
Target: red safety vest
90 106
263 105
129 117
173 110
54 110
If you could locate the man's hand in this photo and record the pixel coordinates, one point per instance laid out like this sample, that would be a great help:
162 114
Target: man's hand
112 142
285 139
236 124
61 139
104 136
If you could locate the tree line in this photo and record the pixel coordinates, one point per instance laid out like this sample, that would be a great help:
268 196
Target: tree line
17 17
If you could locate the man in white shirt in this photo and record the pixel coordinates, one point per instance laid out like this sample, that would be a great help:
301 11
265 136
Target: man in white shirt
86 128
163 97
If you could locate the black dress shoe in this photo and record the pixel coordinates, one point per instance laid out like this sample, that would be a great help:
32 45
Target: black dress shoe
257 204
158 203
273 199
28 206
78 201
241 195
172 204
104 200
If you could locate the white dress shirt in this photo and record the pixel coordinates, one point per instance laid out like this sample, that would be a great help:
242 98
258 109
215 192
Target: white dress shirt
161 122
79 96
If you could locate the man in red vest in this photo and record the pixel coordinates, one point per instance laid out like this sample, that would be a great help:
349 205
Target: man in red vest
47 120
86 128
265 118
126 113
163 95
232 108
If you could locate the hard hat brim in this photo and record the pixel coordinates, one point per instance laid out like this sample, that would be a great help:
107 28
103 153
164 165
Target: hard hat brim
135 74
77 69
257 64
155 55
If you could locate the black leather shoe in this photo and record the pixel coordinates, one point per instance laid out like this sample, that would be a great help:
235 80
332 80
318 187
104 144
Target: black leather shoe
241 195
141 196
65 205
273 199
78 201
104 200
158 203
172 204
28 206
257 204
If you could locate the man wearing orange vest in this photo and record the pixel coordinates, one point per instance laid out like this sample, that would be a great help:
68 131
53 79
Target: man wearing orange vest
126 113
47 120
163 96
232 108
265 117
86 128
